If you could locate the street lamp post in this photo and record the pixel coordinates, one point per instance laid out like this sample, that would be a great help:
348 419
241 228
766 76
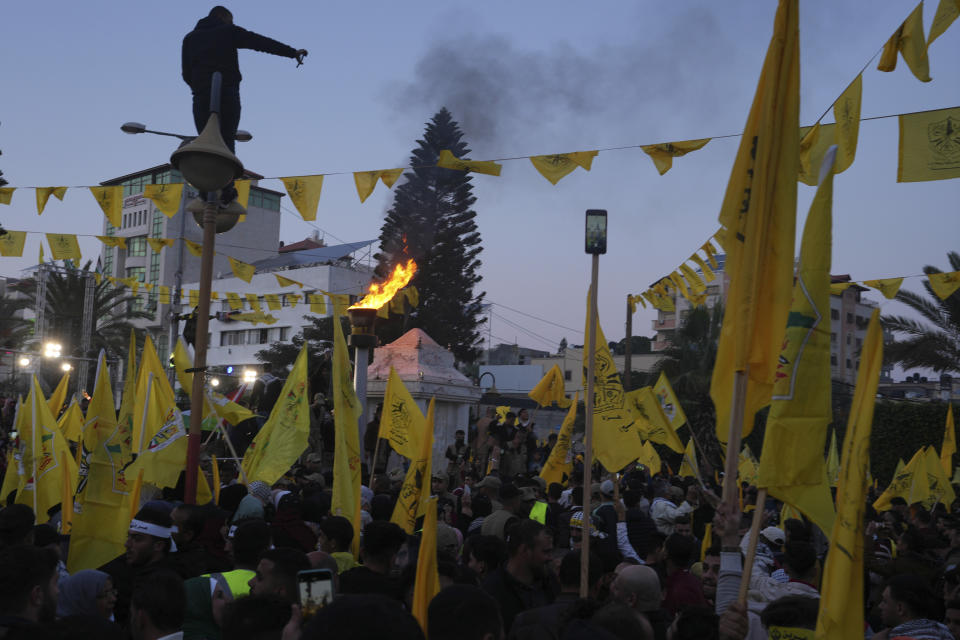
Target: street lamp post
208 165
596 244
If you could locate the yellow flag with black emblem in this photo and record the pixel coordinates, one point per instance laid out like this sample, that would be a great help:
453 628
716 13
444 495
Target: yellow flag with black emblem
44 193
669 402
283 437
449 161
64 246
304 192
401 422
944 284
947 12
929 143
616 438
110 200
157 244
367 180
663 153
166 197
844 133
949 446
416 484
426 583
792 467
195 248
287 282
557 166
908 40
346 451
11 244
242 270
651 423
888 286
758 217
559 464
6 194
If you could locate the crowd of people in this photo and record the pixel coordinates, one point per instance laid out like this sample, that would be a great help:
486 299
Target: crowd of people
509 557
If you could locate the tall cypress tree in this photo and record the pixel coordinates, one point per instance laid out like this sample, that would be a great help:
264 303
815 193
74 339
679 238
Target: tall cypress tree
432 221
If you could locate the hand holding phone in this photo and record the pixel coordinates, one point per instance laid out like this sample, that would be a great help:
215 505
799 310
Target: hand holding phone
316 590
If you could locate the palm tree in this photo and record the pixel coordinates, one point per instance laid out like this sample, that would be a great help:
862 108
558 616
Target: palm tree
935 343
113 310
14 329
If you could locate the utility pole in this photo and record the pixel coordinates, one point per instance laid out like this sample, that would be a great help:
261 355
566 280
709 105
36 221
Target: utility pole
627 348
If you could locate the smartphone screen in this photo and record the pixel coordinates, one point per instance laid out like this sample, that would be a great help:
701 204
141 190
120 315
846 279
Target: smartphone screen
316 590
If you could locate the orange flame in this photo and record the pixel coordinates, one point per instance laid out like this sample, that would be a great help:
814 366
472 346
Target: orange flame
381 293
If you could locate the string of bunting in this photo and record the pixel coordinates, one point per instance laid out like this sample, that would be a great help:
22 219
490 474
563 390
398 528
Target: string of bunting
687 281
920 157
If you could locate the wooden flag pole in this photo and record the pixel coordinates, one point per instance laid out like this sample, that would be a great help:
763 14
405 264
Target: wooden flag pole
735 436
752 545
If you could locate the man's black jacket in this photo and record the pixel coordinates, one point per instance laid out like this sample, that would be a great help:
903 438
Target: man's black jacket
212 46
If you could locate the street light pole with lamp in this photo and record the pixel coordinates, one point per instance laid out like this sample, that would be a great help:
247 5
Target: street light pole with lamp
207 164
595 245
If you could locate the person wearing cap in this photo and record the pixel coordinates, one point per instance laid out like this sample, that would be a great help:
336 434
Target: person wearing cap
606 515
664 512
517 502
638 587
769 543
800 565
490 487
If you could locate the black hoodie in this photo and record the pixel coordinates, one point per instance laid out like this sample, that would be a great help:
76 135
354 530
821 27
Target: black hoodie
212 46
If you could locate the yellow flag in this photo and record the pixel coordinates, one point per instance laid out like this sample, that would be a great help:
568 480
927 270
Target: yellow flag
44 193
663 154
557 166
689 467
837 288
908 40
159 433
426 582
903 484
887 286
45 457
949 446
817 139
413 295
449 161
166 197
293 299
242 270
304 192
947 12
927 146
748 469
163 294
759 220
651 423
707 272
157 244
273 301
401 421
680 284
59 396
940 489
236 304
616 439
649 458
559 464
283 437
113 241
944 284
195 248
243 192
346 458
318 303
254 301
833 461
697 285
71 423
6 194
11 244
110 200
416 483
550 389
792 467
287 282
669 403
227 409
367 180
340 302
194 297
64 246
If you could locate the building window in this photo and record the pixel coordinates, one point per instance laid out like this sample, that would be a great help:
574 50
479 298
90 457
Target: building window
264 199
137 247
834 314
137 303
833 337
263 336
283 334
232 338
568 375
859 344
849 339
849 318
833 359
157 227
108 261
849 364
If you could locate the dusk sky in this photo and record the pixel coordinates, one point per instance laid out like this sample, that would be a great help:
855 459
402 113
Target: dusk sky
522 78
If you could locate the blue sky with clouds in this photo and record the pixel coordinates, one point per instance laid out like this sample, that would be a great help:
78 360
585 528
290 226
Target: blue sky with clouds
523 79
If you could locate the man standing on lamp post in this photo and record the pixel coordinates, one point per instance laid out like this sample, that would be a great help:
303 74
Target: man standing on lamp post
210 47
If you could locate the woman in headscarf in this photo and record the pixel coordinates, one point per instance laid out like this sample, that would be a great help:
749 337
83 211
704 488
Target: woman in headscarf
87 593
254 503
200 621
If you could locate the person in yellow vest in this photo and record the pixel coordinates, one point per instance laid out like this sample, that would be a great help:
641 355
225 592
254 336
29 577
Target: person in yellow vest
245 543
